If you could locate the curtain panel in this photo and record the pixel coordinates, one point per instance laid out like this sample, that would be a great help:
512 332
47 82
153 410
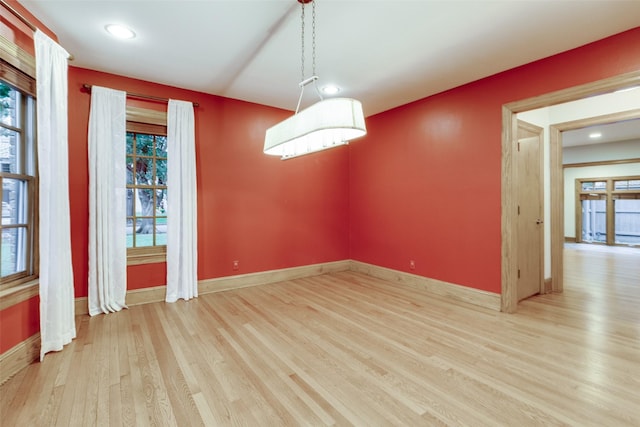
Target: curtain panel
57 310
182 227
107 201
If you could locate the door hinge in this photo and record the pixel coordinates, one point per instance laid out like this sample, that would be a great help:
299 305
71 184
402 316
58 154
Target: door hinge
518 146
518 273
518 209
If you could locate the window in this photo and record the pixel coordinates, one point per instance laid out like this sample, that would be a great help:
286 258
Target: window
594 219
146 162
627 220
594 185
627 184
18 178
608 210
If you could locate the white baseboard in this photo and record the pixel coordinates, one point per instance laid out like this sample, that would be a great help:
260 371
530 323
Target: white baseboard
133 297
449 290
28 351
272 276
157 293
19 357
437 287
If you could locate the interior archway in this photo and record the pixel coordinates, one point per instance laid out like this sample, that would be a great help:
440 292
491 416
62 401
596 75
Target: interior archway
509 208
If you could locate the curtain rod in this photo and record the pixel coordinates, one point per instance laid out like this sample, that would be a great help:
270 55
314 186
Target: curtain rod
87 88
18 15
24 20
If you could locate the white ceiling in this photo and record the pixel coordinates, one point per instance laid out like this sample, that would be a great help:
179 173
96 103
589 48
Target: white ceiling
384 53
627 130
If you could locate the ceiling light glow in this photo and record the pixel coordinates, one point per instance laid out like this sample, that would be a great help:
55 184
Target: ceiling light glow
330 89
595 135
120 31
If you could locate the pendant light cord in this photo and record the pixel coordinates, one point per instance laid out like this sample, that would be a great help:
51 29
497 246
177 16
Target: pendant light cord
313 37
314 78
302 28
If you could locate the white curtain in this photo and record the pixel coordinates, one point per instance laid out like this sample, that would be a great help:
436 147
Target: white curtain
57 313
107 201
182 233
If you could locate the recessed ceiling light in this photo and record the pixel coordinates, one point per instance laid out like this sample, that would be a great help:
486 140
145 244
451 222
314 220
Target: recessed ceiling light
330 89
595 135
120 31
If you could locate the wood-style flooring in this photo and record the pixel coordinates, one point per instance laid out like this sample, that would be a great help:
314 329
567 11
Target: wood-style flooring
349 349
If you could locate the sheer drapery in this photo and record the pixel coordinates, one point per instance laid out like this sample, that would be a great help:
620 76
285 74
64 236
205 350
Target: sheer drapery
57 310
107 201
182 233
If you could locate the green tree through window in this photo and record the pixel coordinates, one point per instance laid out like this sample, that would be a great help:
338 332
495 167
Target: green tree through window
146 190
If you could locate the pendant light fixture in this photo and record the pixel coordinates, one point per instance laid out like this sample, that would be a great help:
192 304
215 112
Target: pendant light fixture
326 124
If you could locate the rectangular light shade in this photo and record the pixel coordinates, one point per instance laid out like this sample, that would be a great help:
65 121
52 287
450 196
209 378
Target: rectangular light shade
325 124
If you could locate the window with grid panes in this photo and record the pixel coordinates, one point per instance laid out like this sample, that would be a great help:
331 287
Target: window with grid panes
608 210
146 160
18 177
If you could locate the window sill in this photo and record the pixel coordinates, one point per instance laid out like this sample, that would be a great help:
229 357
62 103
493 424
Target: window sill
153 255
146 259
17 294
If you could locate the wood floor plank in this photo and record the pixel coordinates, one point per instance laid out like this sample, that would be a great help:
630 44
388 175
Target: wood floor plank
11 394
156 394
72 383
350 349
178 392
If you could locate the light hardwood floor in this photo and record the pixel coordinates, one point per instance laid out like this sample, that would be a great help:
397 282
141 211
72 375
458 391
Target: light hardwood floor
348 349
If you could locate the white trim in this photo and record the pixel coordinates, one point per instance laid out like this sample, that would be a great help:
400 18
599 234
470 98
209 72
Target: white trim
452 291
272 276
157 293
19 356
27 351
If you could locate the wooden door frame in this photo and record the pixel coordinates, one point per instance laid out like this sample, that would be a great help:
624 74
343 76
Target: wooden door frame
555 141
509 267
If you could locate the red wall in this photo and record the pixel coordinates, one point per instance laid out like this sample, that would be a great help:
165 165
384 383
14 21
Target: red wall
20 321
257 209
425 183
265 213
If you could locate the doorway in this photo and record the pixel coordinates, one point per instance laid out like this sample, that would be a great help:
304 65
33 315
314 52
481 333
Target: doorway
509 294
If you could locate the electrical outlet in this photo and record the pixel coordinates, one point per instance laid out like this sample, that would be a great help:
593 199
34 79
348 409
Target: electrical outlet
236 265
412 264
